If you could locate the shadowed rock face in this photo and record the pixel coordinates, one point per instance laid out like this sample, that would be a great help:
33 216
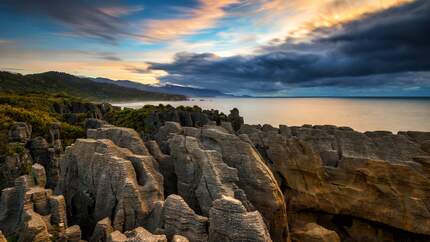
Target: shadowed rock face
100 179
29 212
376 176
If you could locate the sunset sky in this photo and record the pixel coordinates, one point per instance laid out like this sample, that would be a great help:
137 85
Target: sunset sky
243 47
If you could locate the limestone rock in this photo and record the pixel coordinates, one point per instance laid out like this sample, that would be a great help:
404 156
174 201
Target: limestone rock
229 221
33 227
122 137
343 172
92 123
14 165
138 234
20 132
39 176
100 179
312 232
102 230
178 218
166 165
202 175
255 178
73 233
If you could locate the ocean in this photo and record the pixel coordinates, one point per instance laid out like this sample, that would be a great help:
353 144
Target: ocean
361 114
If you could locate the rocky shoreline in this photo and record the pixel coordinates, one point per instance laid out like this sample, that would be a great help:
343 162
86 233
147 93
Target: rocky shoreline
208 177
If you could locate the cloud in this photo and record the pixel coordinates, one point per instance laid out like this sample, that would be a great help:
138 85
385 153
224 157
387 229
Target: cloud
194 20
89 18
391 47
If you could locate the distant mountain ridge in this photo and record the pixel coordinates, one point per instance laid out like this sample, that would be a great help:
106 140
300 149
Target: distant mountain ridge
171 89
59 82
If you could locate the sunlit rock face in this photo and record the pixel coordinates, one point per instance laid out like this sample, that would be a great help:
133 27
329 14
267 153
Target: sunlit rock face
375 178
210 162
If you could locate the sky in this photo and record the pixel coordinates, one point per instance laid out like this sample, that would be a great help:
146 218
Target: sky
240 47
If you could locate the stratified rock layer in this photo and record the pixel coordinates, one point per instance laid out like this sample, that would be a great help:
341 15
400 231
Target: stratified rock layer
229 221
376 176
100 179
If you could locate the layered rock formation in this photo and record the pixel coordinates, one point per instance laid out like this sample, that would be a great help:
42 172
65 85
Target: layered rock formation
223 181
211 163
346 175
100 179
29 212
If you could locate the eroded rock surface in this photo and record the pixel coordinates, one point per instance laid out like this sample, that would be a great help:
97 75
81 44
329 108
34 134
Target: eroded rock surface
230 221
340 171
29 212
100 179
179 218
138 234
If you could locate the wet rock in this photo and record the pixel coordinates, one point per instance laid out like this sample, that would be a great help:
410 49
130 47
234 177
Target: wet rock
19 132
312 232
179 218
229 221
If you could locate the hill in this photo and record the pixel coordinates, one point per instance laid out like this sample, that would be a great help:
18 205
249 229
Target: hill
57 82
171 89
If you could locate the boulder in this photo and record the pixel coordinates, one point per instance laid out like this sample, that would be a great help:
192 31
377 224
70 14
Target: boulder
230 221
178 218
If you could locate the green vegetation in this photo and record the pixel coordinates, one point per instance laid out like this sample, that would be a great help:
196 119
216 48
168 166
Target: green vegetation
137 118
37 110
56 82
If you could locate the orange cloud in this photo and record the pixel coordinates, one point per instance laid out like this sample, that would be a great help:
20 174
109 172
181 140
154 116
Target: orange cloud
203 17
298 18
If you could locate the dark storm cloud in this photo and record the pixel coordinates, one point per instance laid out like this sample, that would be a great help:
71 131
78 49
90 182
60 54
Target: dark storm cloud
394 43
83 17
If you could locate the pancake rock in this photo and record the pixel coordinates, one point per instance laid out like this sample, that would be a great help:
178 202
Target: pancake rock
210 163
29 212
136 235
376 176
230 221
100 179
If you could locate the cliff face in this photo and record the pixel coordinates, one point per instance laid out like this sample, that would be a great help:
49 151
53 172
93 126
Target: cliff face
225 182
367 187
